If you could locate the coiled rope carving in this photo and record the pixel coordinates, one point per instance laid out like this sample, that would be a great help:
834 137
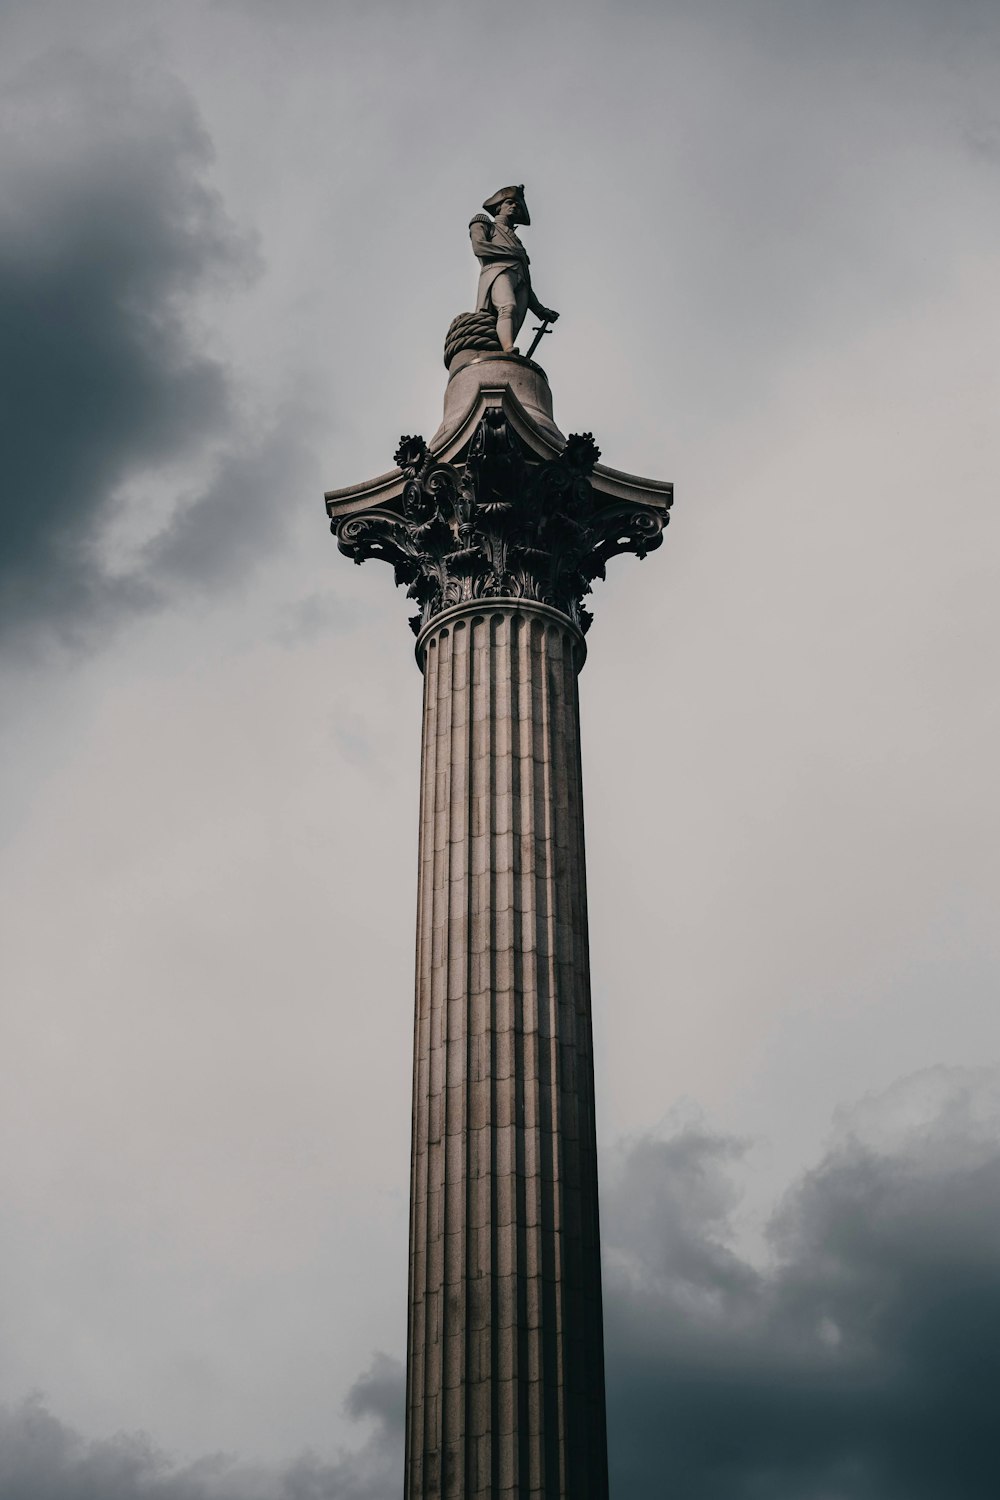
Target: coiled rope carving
476 330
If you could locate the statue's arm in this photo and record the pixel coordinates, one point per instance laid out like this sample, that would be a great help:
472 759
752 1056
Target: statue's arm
481 233
547 314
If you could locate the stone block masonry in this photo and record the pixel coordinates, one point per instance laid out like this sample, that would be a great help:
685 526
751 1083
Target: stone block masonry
498 528
505 1381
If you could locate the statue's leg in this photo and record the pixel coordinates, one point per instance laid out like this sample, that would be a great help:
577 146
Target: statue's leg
505 301
520 306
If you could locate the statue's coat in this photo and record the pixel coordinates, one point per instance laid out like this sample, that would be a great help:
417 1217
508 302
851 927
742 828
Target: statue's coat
497 250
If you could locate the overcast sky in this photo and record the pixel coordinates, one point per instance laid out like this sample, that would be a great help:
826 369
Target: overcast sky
232 236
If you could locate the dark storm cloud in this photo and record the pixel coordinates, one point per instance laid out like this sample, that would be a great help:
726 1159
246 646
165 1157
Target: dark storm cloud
220 531
41 1458
863 1363
107 231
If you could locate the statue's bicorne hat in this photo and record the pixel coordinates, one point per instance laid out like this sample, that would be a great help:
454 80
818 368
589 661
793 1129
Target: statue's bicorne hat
517 193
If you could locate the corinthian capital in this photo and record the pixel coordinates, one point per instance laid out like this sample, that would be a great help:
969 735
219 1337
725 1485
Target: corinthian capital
499 511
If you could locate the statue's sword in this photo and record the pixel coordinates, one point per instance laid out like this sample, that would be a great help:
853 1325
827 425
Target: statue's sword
539 332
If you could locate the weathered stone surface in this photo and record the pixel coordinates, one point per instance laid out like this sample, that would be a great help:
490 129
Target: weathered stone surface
497 529
471 371
505 1393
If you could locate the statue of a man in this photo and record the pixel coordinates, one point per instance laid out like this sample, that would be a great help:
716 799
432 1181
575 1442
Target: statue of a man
505 282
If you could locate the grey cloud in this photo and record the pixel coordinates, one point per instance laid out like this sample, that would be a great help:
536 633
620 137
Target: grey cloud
108 232
861 1363
377 1394
315 615
41 1458
241 509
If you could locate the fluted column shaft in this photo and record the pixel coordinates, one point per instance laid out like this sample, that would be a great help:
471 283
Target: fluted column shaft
505 1364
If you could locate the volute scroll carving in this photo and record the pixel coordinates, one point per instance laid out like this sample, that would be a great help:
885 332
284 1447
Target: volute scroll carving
503 524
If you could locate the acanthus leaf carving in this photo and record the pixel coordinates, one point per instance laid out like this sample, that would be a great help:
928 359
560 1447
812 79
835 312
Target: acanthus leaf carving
502 525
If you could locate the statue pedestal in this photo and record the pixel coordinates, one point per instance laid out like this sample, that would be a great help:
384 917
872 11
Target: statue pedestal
498 528
469 372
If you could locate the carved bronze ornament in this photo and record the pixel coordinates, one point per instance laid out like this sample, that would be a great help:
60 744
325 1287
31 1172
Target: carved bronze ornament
500 526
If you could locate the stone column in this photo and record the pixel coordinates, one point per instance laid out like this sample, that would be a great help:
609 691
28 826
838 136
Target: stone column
505 1379
498 528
